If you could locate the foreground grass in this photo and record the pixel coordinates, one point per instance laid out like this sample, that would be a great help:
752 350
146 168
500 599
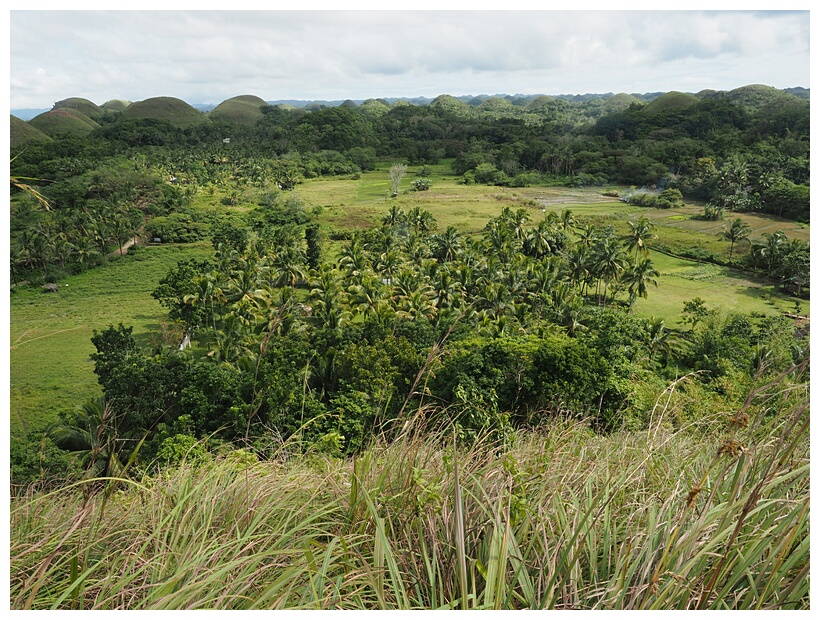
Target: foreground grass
50 333
556 519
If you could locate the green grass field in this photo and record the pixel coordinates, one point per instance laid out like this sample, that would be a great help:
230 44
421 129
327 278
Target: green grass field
50 333
720 287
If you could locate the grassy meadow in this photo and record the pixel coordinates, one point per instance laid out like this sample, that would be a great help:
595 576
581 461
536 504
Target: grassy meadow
50 333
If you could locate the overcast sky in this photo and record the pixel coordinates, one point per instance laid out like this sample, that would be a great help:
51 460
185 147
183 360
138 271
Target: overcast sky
207 57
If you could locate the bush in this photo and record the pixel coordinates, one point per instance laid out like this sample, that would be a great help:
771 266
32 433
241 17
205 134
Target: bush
176 228
420 185
182 448
489 175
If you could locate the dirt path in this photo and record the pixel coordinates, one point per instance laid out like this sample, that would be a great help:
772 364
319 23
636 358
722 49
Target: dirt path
125 246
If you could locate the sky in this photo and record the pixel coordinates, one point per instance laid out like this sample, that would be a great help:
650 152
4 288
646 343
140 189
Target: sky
207 57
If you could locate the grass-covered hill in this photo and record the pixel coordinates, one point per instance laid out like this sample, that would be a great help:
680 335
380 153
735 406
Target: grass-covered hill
450 103
756 96
115 105
61 121
22 133
621 101
244 109
84 106
169 109
673 100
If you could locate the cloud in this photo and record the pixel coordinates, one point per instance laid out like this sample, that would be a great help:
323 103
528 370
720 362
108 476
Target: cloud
204 56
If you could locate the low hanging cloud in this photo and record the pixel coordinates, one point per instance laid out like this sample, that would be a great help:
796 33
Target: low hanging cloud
206 57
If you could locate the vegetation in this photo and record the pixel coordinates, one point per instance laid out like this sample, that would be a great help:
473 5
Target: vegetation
420 372
656 520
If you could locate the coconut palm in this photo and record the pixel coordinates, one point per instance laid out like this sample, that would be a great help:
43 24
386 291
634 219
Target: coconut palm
610 263
394 218
232 341
327 299
567 220
90 433
659 340
538 242
369 297
422 221
737 231
639 235
353 259
638 277
205 293
288 267
447 244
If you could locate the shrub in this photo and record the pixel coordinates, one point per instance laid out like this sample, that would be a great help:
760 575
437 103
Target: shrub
176 228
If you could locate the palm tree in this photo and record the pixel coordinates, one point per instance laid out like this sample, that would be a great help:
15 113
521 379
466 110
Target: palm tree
638 277
610 263
570 314
518 221
538 242
327 299
567 220
395 217
447 291
388 263
353 259
422 221
288 269
578 268
447 244
232 341
90 433
659 340
640 233
84 251
738 231
772 248
369 297
206 292
587 236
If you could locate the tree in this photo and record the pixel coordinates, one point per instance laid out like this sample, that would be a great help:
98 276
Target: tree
738 231
90 433
397 172
638 277
639 235
610 263
314 249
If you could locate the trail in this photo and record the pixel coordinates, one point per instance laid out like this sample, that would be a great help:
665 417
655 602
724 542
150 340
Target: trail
125 247
59 331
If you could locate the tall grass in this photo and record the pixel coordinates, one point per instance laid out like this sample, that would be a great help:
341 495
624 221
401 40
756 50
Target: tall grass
558 518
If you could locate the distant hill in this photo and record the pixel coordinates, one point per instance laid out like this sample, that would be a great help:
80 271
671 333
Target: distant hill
670 101
169 109
753 96
621 101
244 109
61 121
115 105
756 96
84 106
448 102
22 133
